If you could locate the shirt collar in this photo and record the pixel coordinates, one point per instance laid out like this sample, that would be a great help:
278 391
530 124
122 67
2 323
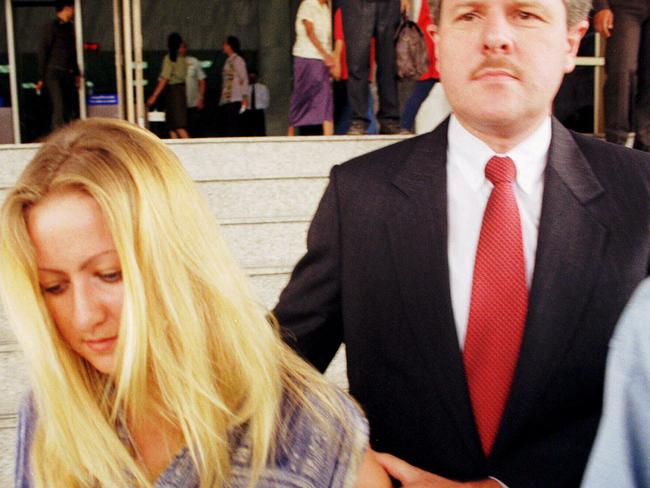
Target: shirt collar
470 155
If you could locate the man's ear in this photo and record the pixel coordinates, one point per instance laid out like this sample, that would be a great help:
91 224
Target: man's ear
574 36
432 31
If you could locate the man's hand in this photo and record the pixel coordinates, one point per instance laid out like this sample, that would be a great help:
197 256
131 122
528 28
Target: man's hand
329 60
604 22
38 86
405 6
412 477
200 103
335 70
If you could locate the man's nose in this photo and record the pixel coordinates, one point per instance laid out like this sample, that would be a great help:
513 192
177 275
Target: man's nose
497 35
88 308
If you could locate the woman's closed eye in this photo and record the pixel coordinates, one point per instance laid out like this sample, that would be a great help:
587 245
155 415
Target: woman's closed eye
54 288
111 277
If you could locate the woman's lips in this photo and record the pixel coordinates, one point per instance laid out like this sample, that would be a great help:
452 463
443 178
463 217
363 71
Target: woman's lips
101 345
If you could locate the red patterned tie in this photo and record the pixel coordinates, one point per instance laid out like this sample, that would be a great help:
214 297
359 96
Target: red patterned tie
499 302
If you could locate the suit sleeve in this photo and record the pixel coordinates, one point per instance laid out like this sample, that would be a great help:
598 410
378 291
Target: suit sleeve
309 310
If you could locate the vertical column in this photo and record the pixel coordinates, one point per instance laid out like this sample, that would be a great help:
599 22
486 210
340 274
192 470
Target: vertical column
79 39
128 59
275 60
137 53
13 83
119 57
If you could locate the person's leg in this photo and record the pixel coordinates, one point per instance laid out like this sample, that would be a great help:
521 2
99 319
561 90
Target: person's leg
373 127
55 90
232 119
291 131
412 105
358 26
328 128
642 109
70 98
621 65
260 126
387 20
193 121
173 134
182 133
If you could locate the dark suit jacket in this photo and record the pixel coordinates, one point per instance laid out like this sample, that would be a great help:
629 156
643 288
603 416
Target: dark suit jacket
376 277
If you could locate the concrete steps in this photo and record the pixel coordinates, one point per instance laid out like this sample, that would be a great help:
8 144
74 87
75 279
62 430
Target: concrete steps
263 191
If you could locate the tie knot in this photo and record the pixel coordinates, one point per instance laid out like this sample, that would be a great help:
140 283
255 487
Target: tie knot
500 170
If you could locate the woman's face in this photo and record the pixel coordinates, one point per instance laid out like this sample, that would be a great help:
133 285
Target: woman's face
80 274
227 49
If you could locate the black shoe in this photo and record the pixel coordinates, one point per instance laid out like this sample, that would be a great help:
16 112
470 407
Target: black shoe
390 128
640 146
356 129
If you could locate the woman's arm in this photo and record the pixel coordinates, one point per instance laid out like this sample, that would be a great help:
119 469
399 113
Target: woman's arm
328 59
162 83
336 70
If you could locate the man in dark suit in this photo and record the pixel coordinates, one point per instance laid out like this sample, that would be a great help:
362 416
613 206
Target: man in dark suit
476 273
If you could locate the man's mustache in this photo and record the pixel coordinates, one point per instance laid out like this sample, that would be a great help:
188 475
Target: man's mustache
497 64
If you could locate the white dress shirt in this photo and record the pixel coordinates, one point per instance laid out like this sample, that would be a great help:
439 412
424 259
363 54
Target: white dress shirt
262 96
468 191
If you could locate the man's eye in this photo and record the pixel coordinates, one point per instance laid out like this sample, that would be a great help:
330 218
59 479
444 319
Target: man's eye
468 17
526 15
112 277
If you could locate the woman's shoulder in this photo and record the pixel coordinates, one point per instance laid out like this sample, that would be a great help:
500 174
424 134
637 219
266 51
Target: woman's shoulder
26 415
24 435
330 433
320 443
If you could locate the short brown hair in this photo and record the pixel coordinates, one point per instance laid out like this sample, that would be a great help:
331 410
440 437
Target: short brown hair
577 10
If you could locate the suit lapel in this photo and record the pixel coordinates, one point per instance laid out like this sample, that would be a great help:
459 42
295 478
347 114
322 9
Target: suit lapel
570 243
418 240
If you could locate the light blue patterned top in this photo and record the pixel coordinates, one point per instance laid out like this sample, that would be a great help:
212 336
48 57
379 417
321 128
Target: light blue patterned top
303 459
621 454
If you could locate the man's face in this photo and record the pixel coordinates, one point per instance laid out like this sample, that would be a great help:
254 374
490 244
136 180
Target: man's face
502 61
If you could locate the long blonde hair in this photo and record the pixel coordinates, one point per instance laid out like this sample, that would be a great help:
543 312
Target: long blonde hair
193 338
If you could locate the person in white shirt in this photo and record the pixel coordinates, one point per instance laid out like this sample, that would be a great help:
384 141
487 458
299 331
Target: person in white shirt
259 99
476 273
312 99
234 88
194 90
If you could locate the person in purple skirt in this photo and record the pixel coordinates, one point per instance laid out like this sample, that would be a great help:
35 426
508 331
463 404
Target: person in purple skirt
312 100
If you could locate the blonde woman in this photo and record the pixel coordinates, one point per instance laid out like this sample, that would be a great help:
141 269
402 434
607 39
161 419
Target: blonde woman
151 362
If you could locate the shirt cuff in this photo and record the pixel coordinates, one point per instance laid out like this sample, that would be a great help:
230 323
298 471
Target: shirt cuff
503 485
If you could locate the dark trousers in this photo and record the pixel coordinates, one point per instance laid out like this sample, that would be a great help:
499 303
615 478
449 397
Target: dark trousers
254 122
62 91
361 20
412 104
195 122
230 119
627 64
